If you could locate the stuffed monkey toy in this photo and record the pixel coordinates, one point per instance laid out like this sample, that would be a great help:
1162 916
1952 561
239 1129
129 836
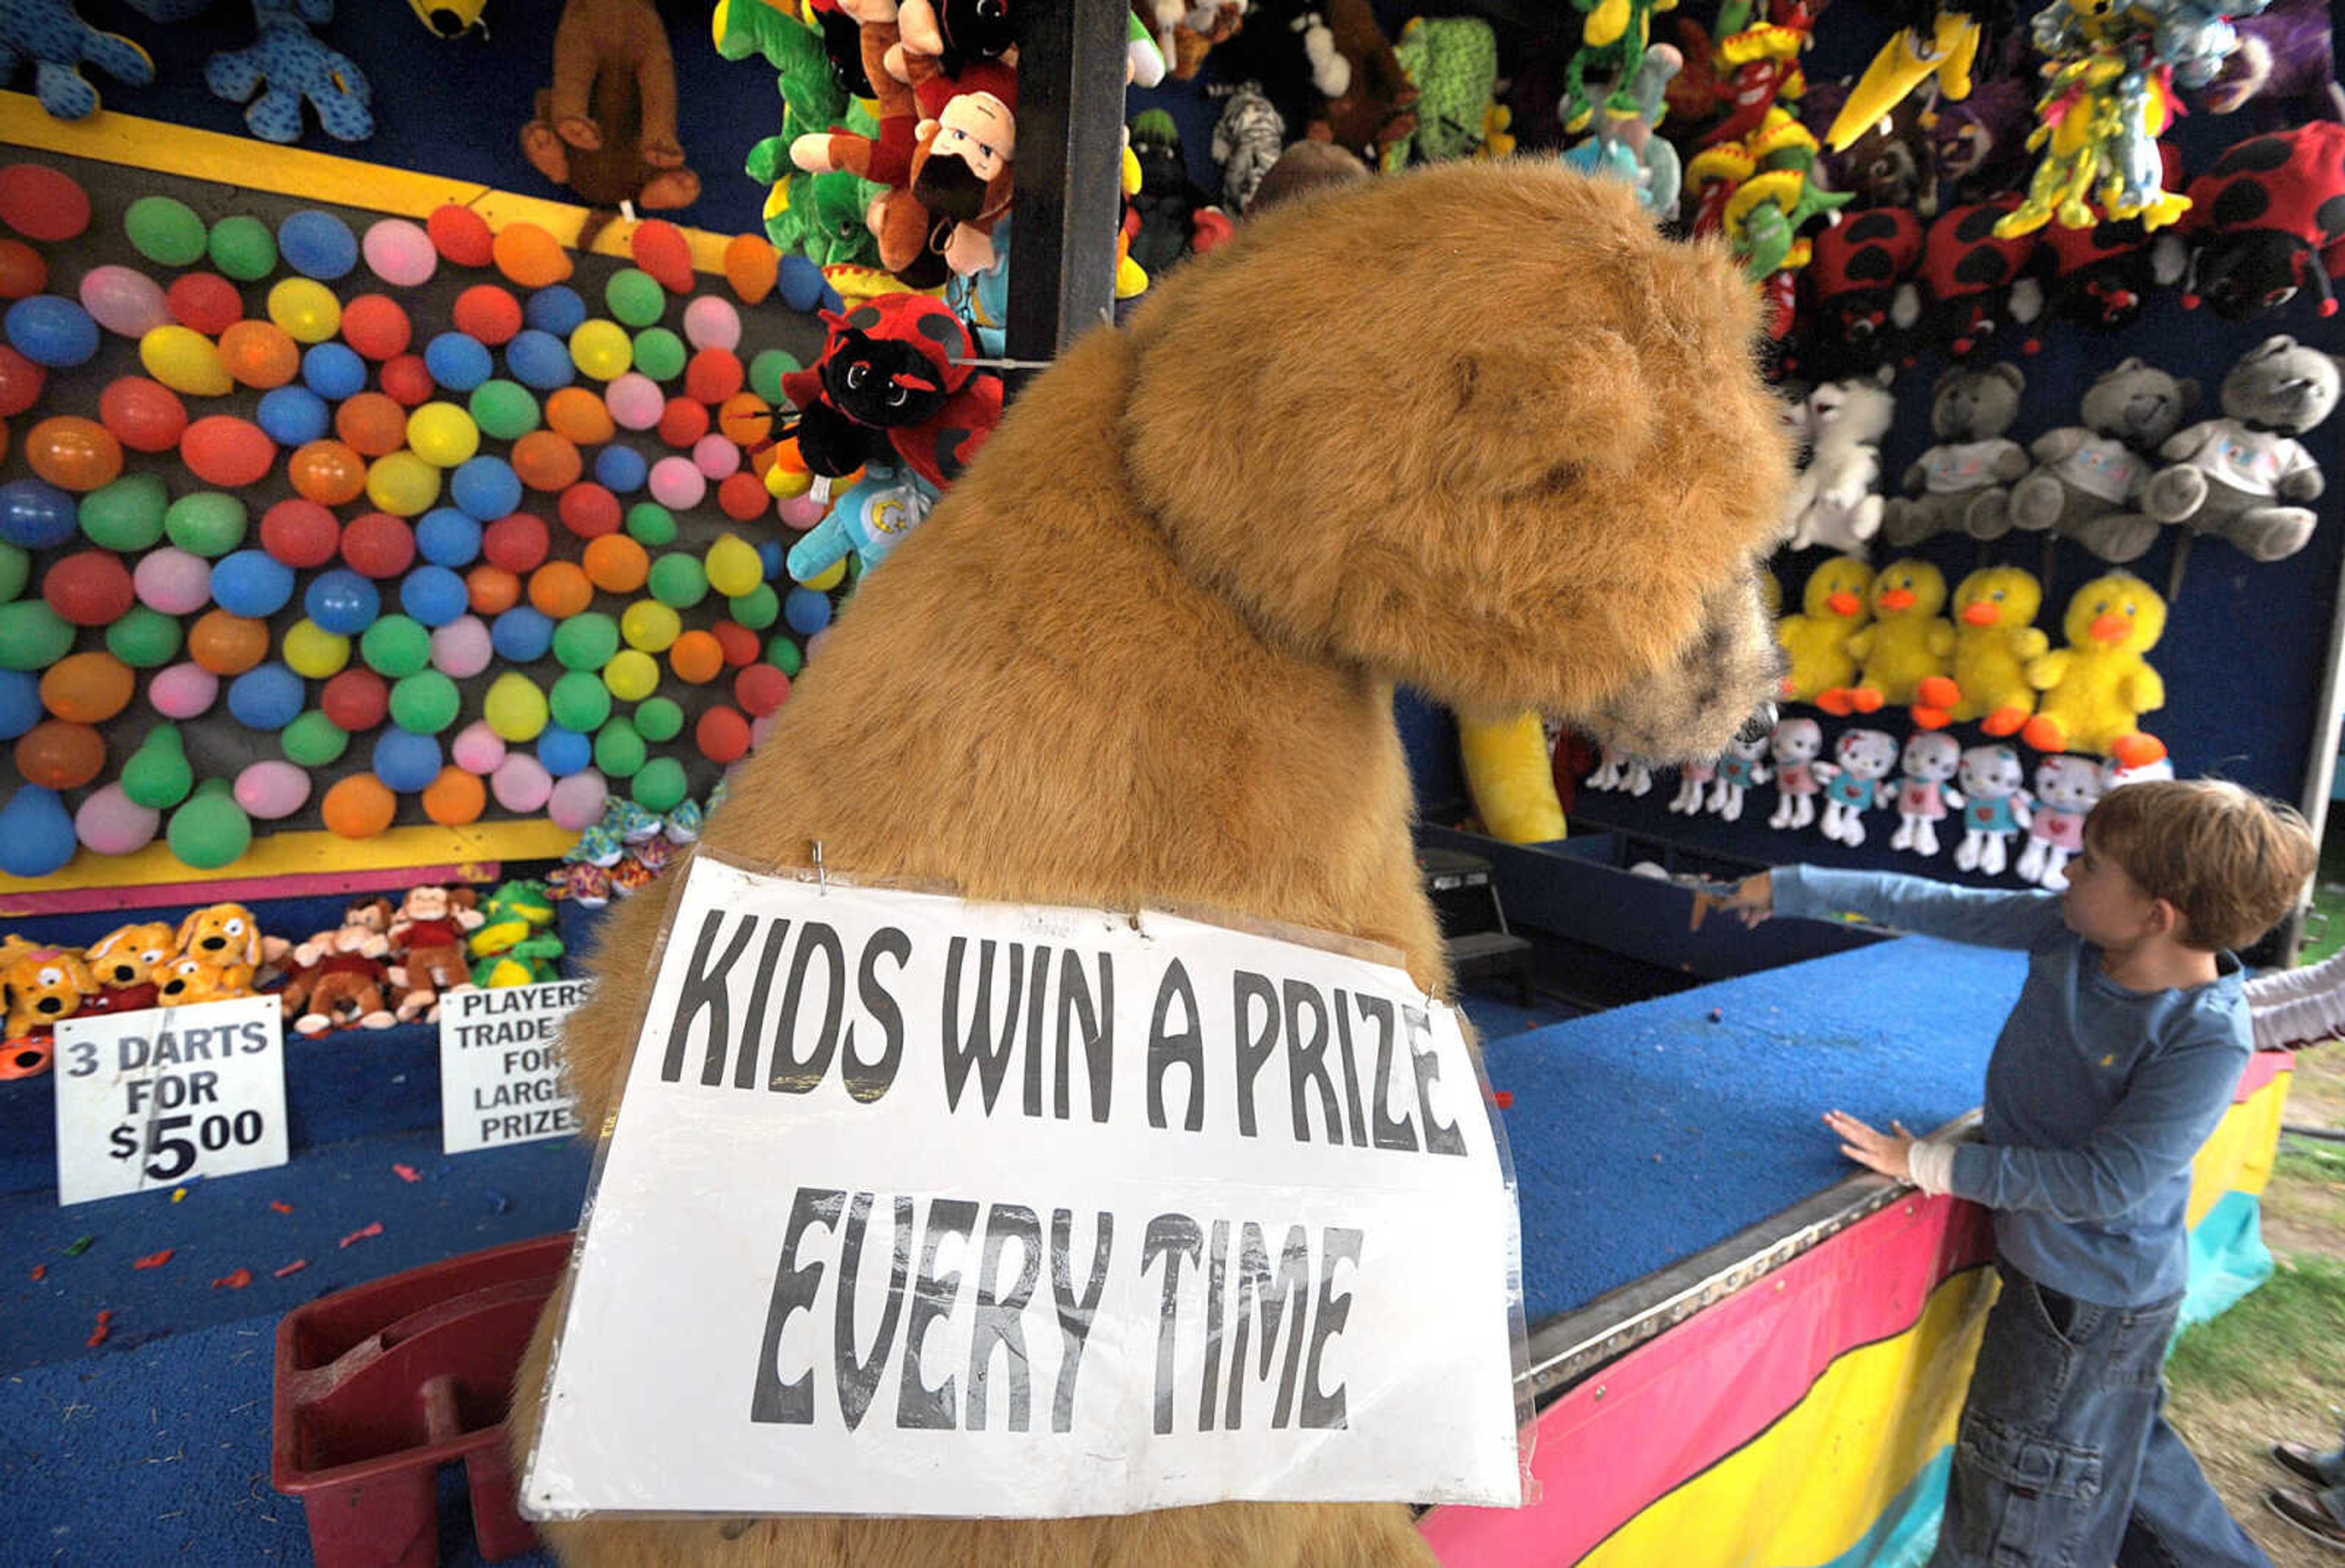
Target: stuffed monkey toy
1059 747
606 127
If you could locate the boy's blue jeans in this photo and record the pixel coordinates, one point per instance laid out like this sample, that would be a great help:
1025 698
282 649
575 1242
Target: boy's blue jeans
2065 1459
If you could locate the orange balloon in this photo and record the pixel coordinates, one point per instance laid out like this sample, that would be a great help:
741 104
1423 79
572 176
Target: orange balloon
616 563
373 424
492 589
530 256
696 656
328 473
746 419
454 798
579 416
547 462
227 644
55 754
559 589
88 688
787 459
260 354
358 806
751 265
74 453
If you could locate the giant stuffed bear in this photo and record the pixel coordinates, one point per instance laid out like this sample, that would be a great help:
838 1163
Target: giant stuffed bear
1157 625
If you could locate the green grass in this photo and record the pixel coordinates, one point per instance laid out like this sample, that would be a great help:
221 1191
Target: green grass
2302 1159
2269 1345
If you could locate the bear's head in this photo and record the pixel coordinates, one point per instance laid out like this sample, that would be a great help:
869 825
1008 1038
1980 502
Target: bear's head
2138 404
2282 385
1546 483
1970 405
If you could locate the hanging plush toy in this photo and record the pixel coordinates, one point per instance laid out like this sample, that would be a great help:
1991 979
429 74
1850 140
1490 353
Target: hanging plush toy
1454 63
454 18
1974 280
1795 745
1908 641
1693 780
2246 477
2268 220
51 37
1978 147
1996 808
1937 40
2288 52
1764 60
1833 608
1621 772
2109 74
818 216
875 515
1849 323
2066 789
1995 638
1612 42
2088 478
2102 276
606 125
2097 687
894 382
1247 142
1858 781
1626 146
1834 503
1959 486
286 64
1741 768
1929 761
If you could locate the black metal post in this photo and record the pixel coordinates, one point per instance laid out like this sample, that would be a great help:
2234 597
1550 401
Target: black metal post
1070 83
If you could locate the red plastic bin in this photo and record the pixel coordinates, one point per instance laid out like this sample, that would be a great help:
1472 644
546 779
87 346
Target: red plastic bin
379 1385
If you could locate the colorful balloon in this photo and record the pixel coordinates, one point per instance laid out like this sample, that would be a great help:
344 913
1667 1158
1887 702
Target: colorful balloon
358 806
144 639
377 327
293 416
88 688
371 424
248 583
556 309
530 256
317 244
402 484
486 488
461 234
207 522
477 748
332 370
58 755
458 361
407 760
660 784
576 803
266 697
242 247
520 783
183 690
36 836
461 649
173 582
314 653
454 798
398 252
74 453
343 601
379 545
165 229
599 349
43 203
222 449
752 266
328 473
51 330
514 709
634 402
306 310
204 302
313 741
110 822
124 300
21 381
487 314
145 416
272 790
158 776
32 635
186 361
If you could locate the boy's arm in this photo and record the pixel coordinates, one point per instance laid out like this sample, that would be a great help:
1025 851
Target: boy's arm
1981 916
2155 1131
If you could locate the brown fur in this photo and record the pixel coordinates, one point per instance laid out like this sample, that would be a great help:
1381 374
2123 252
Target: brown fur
606 127
1467 428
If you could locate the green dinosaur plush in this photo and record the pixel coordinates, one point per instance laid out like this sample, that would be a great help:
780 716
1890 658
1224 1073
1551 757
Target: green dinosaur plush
1453 61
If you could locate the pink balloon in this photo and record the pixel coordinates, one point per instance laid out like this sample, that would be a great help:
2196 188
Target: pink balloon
715 456
577 801
110 822
125 302
172 580
635 401
478 749
183 690
802 511
710 322
677 485
461 650
400 252
520 783
273 789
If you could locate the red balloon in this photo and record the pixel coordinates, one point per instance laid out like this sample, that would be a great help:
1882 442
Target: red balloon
145 416
90 588
299 533
517 543
589 510
375 326
223 451
23 273
55 754
488 313
722 734
743 496
205 302
761 688
379 545
43 203
660 248
740 644
356 699
20 382
683 421
713 375
407 378
459 235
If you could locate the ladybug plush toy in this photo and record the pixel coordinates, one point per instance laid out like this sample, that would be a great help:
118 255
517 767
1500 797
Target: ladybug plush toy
1975 278
894 375
2269 220
1850 322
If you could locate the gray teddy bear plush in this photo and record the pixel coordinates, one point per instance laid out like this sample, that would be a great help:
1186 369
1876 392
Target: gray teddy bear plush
2245 476
1958 486
2088 478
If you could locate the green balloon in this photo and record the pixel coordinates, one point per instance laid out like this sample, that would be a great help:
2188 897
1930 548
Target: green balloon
580 702
314 740
209 523
585 641
660 784
158 776
395 647
678 581
634 296
503 409
425 703
243 248
650 523
618 750
659 353
659 720
144 639
766 371
782 655
212 830
126 514
757 609
165 229
16 570
32 635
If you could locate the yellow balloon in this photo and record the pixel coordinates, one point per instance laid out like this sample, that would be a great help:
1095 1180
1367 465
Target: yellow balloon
650 625
305 310
314 653
732 566
442 434
602 349
402 484
631 675
184 360
829 577
514 708
782 483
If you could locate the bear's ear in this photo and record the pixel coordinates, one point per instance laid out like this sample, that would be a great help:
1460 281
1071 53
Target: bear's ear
1947 380
2009 375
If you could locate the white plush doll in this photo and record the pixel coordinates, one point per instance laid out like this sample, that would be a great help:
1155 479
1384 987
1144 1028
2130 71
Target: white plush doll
2066 789
1923 794
1834 503
1741 768
1692 780
1859 780
1796 744
1994 810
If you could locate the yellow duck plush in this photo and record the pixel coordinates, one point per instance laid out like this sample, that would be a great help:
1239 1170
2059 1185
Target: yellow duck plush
1832 609
1995 641
2097 687
1908 641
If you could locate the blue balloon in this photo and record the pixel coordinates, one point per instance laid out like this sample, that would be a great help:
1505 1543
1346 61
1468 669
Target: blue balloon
521 634
536 358
36 514
433 595
556 309
447 537
265 697
251 583
334 371
36 834
807 611
20 703
294 415
458 361
485 488
343 601
51 330
621 469
802 283
773 558
317 244
407 762
563 752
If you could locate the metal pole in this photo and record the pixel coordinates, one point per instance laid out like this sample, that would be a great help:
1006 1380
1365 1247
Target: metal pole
1071 81
2322 773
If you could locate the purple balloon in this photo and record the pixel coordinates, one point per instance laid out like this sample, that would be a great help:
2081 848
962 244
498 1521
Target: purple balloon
172 580
126 303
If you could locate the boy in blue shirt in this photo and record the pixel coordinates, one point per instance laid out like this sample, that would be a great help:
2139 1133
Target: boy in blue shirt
2121 1055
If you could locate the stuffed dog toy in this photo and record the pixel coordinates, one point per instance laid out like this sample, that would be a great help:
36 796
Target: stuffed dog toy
1534 517
43 986
123 963
226 939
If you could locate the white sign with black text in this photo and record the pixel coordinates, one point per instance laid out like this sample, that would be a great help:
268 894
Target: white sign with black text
161 1096
500 1068
916 1206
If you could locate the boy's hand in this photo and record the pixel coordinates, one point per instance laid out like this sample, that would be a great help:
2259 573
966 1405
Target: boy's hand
1753 899
1890 1153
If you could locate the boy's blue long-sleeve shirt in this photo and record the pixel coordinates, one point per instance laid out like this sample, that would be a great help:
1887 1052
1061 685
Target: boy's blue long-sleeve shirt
2098 1097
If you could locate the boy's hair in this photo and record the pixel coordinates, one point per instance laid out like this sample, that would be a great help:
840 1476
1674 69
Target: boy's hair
2232 861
